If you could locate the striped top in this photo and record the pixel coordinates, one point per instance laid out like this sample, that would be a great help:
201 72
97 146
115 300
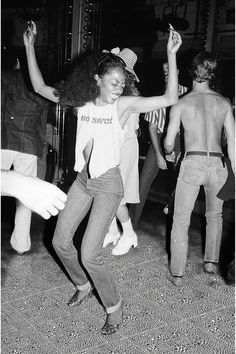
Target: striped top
158 117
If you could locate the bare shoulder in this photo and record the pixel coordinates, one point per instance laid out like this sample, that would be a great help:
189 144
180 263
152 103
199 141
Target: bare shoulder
186 97
221 103
182 102
217 96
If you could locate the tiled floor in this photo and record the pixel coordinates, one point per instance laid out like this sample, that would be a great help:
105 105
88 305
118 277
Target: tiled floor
158 317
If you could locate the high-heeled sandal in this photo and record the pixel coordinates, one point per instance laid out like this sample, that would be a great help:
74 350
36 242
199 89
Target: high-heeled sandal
79 297
110 328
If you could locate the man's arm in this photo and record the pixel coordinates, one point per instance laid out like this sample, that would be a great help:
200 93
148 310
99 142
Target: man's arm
161 162
173 128
230 135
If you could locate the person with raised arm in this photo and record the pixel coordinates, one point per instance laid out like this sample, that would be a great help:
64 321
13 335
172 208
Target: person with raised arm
95 87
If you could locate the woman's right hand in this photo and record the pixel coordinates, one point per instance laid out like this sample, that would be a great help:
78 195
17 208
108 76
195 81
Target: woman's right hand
29 34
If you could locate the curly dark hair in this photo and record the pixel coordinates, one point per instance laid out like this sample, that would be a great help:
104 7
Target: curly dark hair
130 88
203 67
80 86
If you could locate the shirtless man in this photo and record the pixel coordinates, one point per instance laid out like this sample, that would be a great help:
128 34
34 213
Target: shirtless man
203 114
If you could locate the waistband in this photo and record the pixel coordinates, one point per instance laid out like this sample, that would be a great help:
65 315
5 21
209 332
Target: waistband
204 153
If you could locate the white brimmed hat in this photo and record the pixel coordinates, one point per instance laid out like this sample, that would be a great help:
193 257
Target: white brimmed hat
130 59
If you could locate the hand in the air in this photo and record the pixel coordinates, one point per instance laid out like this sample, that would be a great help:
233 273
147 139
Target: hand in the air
174 41
30 33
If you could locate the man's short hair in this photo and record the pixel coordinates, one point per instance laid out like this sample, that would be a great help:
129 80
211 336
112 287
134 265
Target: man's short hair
203 67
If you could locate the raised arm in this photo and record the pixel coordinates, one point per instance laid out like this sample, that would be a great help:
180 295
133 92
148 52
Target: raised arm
35 74
170 97
229 126
172 130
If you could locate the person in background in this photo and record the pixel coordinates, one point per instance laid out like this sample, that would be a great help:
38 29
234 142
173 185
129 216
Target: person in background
23 127
128 167
204 114
155 158
95 87
39 196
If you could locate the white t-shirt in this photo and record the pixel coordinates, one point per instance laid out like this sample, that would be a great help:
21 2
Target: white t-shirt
101 124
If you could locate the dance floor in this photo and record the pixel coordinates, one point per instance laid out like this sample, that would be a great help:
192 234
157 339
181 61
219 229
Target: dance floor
195 318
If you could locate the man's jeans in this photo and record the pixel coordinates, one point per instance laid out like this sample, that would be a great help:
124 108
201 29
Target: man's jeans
194 172
103 196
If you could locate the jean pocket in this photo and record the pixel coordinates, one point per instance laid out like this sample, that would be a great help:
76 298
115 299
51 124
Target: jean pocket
221 175
192 172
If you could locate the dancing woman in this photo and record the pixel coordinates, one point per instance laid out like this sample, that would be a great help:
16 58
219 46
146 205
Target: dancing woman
95 87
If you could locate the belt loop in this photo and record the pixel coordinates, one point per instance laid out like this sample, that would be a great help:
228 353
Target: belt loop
208 155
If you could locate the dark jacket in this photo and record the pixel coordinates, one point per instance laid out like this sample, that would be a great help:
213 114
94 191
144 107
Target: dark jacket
24 115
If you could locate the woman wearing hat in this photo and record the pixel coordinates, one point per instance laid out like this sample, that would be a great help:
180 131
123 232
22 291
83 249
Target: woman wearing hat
128 165
95 88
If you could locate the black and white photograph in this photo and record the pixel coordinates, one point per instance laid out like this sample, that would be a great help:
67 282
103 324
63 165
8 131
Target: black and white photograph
117 176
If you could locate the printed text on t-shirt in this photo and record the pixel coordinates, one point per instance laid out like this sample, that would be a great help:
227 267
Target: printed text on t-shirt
96 120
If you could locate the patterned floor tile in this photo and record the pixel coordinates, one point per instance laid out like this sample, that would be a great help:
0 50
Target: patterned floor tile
182 337
142 315
74 332
186 301
197 318
123 347
11 320
152 248
220 323
142 276
26 340
47 305
41 264
18 286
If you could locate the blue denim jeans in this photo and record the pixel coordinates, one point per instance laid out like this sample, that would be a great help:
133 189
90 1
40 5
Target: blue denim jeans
194 172
102 195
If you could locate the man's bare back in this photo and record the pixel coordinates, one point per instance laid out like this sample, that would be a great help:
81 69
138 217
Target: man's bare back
202 115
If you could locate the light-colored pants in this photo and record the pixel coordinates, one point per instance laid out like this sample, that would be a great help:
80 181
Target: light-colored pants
27 165
102 195
194 172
